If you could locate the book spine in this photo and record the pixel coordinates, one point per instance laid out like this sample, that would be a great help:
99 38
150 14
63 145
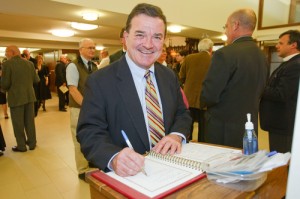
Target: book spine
178 160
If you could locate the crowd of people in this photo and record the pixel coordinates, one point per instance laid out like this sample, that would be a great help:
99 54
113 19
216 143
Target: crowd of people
136 91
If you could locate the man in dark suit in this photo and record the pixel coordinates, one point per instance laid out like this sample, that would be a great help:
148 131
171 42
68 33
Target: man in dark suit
234 82
18 76
279 99
117 55
27 56
115 100
60 80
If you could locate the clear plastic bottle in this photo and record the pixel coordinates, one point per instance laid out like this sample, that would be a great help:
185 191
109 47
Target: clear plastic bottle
250 143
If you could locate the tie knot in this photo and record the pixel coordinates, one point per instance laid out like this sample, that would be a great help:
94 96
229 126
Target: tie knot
147 74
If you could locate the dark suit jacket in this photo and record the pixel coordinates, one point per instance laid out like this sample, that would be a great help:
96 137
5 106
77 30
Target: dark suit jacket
116 56
18 77
232 88
111 104
60 74
279 100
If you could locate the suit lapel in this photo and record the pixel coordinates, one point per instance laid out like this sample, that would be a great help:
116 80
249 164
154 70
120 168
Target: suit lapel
131 100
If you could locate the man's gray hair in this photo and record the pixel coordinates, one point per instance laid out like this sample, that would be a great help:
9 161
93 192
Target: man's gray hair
205 44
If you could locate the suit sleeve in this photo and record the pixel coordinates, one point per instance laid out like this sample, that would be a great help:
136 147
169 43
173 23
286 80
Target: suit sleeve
92 129
284 86
215 81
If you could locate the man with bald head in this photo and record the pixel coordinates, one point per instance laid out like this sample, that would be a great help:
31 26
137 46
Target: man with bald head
234 82
77 73
18 77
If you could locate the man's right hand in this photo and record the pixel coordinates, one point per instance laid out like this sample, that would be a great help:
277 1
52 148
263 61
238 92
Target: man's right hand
128 163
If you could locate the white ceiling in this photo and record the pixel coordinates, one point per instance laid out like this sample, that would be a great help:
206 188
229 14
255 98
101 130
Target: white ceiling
27 23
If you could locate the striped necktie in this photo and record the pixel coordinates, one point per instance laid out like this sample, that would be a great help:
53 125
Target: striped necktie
154 114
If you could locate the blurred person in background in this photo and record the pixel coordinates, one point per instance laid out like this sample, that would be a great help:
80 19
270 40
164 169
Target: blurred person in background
18 76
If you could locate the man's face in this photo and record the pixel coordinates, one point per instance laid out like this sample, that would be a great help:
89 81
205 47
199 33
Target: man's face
145 40
27 53
87 49
283 47
229 32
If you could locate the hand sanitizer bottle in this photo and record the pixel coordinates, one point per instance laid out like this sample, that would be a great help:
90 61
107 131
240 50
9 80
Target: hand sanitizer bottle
250 144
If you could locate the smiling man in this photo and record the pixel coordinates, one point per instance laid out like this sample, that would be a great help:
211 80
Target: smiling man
136 95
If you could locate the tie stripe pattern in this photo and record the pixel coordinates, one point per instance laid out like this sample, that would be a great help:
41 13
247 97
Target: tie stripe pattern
154 114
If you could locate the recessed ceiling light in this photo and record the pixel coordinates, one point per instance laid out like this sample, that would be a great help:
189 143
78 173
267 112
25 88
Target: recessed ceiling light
63 33
90 16
224 38
83 26
174 29
100 47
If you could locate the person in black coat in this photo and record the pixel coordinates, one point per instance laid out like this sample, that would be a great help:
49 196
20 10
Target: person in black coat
114 100
279 99
234 82
60 80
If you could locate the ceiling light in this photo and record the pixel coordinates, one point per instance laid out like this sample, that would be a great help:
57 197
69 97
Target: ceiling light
174 29
100 47
224 38
83 26
90 16
63 33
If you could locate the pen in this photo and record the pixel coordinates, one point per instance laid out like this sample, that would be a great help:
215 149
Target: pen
271 153
131 147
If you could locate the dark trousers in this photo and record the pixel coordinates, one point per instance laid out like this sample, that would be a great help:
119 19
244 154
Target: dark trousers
61 99
2 140
22 118
198 116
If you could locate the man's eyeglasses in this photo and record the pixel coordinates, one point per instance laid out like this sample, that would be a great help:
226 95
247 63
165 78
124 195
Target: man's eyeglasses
89 48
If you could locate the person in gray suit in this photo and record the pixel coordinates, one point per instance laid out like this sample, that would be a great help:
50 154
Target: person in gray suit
234 82
115 100
18 77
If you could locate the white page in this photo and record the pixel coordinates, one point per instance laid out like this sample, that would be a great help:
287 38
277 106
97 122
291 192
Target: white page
161 177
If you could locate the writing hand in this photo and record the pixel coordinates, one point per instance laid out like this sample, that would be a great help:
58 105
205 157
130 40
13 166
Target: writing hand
127 163
170 143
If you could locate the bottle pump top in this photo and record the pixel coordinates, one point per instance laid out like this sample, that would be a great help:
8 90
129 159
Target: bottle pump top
249 124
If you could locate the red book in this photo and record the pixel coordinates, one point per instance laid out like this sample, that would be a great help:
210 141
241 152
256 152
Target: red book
132 193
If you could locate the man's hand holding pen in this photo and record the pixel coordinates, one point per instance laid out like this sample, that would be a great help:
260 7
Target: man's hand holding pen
128 162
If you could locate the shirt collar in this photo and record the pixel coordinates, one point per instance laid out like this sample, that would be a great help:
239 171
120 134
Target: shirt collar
135 69
287 58
85 61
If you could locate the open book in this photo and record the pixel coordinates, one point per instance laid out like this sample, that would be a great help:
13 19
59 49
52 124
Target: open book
165 174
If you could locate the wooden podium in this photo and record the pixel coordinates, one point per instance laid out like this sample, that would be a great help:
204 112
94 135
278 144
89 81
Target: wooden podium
274 187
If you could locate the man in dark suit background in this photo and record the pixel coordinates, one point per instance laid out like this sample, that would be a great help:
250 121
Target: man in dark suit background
234 82
27 56
60 80
18 77
279 99
117 55
115 100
